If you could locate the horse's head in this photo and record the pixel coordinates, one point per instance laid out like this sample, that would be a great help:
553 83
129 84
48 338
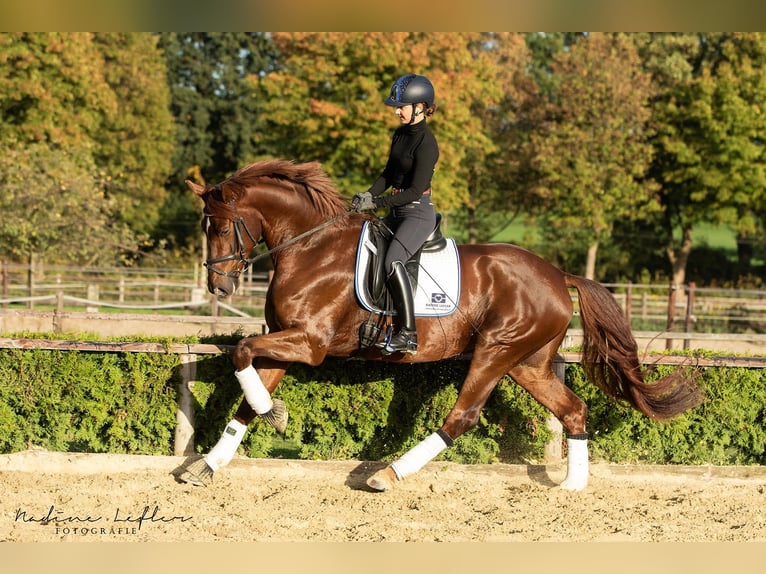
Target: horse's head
230 238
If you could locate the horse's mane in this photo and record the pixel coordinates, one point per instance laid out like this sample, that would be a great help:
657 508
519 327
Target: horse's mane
309 177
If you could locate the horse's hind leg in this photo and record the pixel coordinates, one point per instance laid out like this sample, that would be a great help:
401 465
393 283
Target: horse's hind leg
541 382
487 367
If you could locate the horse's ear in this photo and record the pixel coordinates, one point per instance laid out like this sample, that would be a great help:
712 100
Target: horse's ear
195 187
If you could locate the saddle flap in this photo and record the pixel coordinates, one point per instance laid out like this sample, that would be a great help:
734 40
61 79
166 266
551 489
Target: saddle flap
434 273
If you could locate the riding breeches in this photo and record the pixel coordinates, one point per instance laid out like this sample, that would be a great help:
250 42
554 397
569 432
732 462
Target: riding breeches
411 223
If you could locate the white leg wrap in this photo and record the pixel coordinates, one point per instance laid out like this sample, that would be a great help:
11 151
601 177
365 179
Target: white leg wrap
224 450
256 394
577 465
417 457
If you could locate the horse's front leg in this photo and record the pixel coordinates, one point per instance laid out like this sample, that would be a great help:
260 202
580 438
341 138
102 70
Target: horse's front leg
272 354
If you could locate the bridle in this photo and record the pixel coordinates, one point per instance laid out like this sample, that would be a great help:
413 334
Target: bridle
241 251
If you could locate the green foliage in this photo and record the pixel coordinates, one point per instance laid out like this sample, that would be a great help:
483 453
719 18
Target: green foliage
591 154
135 141
344 409
371 411
728 428
216 118
216 115
706 126
51 201
87 402
324 101
85 137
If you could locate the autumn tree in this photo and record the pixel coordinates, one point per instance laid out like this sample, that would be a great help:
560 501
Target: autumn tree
52 89
134 143
99 104
590 153
55 207
324 102
497 175
707 123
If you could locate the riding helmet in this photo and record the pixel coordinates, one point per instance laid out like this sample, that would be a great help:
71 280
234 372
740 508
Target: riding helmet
411 89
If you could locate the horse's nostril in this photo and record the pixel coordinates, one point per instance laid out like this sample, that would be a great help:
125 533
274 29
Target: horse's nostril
220 293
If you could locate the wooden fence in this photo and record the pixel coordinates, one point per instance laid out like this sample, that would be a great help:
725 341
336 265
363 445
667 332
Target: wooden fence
92 290
672 308
184 431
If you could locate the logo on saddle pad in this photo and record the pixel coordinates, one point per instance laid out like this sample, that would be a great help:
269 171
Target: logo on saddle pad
435 276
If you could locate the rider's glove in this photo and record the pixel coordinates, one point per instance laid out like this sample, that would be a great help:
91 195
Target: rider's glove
363 202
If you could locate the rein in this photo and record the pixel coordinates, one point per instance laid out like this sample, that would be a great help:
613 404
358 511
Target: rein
245 262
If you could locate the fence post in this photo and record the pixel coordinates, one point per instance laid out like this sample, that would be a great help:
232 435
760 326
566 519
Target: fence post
57 327
184 437
5 283
689 322
31 283
93 298
214 310
671 314
553 448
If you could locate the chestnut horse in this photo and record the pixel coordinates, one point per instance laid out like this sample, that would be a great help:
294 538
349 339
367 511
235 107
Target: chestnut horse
513 314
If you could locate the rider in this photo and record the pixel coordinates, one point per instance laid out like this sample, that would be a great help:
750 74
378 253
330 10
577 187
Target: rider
411 162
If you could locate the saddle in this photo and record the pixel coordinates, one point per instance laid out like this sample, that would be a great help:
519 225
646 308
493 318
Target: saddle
433 271
380 237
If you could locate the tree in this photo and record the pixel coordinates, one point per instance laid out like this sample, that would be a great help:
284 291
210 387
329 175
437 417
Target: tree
52 89
99 104
708 123
498 175
324 102
54 206
590 154
135 141
216 114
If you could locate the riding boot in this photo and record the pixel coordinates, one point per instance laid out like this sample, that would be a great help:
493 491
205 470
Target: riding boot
406 339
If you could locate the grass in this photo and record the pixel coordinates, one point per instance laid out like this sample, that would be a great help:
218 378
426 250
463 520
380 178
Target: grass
519 232
705 235
715 237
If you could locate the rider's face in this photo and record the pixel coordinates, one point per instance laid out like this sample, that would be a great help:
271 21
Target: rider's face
405 113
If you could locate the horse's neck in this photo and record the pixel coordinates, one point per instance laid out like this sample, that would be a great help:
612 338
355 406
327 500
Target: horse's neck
285 216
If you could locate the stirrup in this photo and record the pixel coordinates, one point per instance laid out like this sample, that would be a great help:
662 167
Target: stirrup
404 341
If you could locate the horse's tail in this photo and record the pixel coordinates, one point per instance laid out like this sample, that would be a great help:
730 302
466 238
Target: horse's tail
610 357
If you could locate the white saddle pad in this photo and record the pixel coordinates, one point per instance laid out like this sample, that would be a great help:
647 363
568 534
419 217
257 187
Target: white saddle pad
438 289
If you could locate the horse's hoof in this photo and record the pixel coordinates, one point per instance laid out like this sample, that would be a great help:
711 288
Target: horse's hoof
277 416
383 480
573 485
197 473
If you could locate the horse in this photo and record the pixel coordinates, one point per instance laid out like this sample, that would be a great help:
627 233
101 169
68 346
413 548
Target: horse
513 313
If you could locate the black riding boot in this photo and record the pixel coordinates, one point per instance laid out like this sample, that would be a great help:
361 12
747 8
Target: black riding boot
406 339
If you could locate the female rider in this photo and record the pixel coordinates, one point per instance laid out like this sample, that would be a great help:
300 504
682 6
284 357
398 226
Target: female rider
411 162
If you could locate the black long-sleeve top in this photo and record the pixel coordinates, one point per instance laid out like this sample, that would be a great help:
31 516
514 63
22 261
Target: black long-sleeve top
411 162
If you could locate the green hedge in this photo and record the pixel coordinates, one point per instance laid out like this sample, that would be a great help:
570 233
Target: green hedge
728 428
125 403
371 411
87 402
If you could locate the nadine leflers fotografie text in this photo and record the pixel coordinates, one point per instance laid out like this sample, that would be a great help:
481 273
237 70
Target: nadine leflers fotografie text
120 522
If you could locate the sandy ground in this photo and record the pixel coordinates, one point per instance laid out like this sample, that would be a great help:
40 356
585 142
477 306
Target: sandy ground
47 497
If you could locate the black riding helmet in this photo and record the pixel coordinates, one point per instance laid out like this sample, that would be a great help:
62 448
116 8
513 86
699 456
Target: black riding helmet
411 89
